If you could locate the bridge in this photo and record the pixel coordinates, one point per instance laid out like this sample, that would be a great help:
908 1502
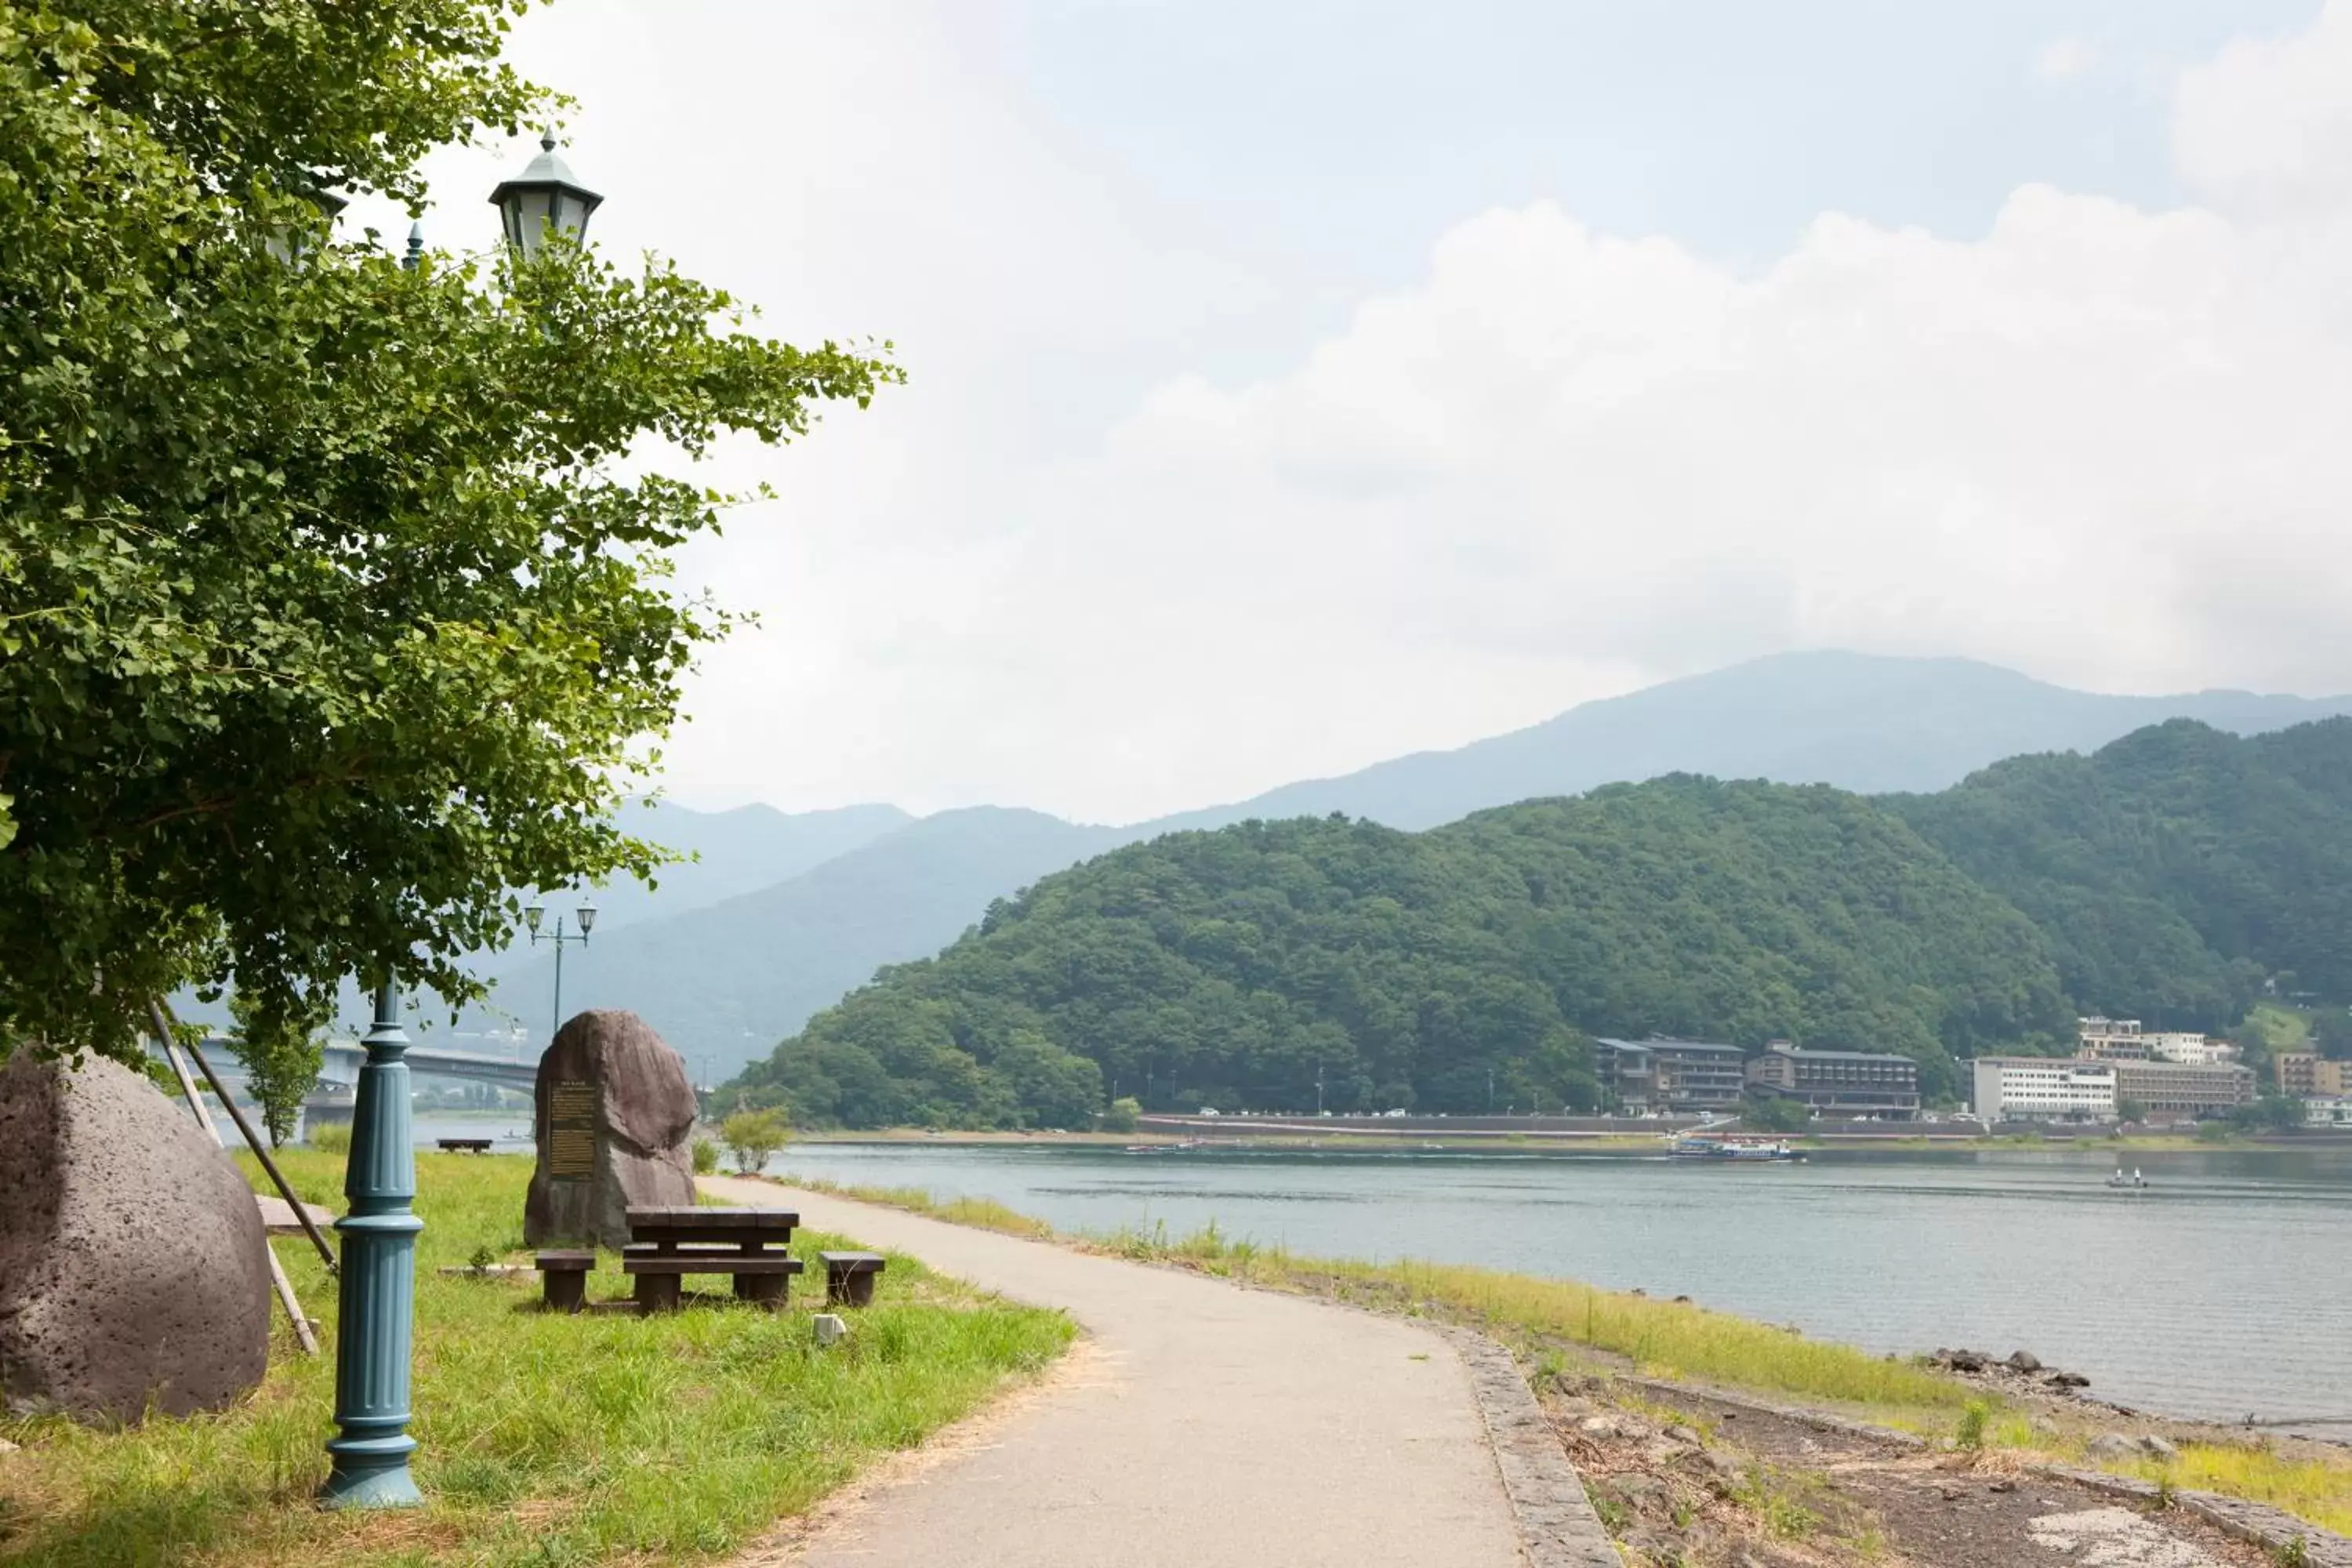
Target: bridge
343 1058
341 1064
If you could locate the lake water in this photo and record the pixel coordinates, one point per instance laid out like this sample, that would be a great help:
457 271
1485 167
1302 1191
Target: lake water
2224 1289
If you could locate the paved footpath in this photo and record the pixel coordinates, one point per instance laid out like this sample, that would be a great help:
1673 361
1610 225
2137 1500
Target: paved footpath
1210 1427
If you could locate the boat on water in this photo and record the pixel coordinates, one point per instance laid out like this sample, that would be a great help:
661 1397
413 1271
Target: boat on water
1718 1146
2135 1182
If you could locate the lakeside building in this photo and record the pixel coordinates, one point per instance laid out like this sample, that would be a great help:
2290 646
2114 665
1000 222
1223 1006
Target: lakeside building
2179 1089
2105 1039
2190 1049
1838 1083
2307 1075
1659 1074
2328 1111
2044 1089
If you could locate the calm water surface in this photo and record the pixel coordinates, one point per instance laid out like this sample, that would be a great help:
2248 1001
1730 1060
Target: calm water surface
2222 1290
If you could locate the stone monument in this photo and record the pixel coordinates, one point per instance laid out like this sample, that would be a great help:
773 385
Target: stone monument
613 1113
133 1266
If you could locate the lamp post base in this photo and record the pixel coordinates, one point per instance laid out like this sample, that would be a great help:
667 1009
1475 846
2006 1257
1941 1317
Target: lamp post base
363 1484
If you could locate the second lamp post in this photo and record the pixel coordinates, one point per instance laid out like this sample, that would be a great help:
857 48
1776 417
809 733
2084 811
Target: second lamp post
532 916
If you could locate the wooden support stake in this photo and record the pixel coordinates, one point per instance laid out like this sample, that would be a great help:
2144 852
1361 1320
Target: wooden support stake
310 1342
285 1286
252 1141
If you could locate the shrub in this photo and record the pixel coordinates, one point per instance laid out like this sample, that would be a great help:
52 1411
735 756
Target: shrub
753 1135
706 1156
1123 1114
330 1136
1971 1435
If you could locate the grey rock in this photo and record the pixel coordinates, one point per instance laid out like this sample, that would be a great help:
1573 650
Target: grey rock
1682 1434
1600 1427
2155 1448
2113 1446
1633 1489
612 1114
2024 1361
134 1271
1718 1473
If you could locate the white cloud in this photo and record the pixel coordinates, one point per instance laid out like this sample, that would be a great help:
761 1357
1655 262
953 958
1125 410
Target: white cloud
2266 125
2063 59
2102 444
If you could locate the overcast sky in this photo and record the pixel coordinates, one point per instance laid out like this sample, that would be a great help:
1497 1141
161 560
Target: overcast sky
1296 384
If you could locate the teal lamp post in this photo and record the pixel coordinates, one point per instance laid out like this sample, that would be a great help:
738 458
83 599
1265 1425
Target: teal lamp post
378 1293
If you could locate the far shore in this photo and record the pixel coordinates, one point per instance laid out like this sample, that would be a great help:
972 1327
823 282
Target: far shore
1356 1137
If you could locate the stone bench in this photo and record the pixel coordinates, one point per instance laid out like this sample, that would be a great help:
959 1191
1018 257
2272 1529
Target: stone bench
849 1276
763 1279
462 1145
564 1278
668 1241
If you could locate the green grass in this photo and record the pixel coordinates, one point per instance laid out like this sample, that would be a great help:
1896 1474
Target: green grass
545 1440
980 1214
2315 1489
2282 1027
1667 1339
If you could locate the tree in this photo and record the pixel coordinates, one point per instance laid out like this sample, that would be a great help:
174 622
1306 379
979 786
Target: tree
327 615
2331 1033
1125 1112
753 1136
1770 1113
2130 1111
281 1059
2271 1113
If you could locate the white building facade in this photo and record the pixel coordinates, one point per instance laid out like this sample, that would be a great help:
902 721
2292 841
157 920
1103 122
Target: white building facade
2190 1050
2044 1089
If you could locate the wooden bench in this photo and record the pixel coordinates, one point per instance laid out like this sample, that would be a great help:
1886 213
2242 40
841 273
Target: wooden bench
849 1276
563 1276
670 1243
463 1145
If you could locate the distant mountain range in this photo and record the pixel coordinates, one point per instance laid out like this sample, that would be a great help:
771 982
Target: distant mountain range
786 913
1870 724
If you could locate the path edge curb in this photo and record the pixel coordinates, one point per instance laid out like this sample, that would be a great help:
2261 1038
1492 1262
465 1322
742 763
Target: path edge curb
1554 1515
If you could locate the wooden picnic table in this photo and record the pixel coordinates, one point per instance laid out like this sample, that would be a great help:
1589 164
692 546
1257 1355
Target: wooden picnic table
671 1241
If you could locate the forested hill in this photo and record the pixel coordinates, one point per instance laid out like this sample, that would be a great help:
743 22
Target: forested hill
1234 967
2174 870
2165 876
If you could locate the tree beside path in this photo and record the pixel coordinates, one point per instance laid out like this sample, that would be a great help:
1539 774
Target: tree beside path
329 610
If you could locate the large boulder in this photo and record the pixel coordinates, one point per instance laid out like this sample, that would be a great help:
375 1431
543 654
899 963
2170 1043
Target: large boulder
614 1114
134 1272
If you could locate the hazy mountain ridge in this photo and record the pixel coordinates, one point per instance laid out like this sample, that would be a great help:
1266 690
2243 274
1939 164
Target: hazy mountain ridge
1870 724
715 980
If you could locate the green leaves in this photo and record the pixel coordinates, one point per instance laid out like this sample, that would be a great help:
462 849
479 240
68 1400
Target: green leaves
328 617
